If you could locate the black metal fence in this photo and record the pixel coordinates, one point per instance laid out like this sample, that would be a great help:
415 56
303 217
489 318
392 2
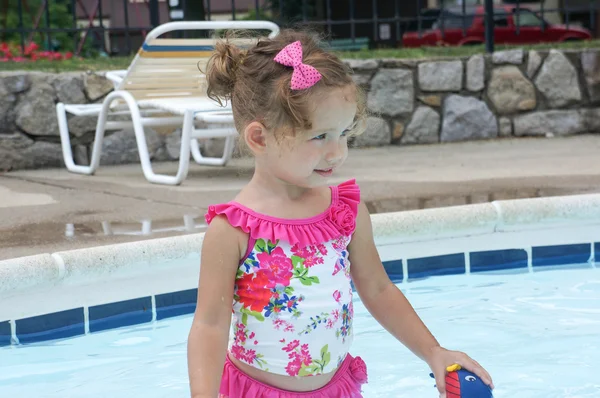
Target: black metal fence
117 27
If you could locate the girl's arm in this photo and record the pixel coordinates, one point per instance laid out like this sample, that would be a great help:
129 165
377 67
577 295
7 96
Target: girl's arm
380 296
222 249
391 309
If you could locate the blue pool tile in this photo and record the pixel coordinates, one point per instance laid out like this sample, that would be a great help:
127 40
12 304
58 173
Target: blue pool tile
394 269
498 259
5 334
176 303
122 313
57 325
561 255
437 265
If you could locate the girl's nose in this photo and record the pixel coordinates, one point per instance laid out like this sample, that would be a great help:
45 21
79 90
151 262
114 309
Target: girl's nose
334 152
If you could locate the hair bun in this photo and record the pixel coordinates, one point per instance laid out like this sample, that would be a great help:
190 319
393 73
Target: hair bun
221 70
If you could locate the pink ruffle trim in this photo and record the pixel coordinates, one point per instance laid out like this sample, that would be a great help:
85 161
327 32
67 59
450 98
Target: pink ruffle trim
338 219
346 383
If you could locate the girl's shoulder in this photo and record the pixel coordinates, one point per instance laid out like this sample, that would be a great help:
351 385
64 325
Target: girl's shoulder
338 219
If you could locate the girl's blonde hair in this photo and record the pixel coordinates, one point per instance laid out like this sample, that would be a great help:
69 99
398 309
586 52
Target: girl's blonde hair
259 88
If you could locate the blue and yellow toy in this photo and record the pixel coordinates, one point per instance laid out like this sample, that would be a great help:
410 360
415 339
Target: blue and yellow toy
461 383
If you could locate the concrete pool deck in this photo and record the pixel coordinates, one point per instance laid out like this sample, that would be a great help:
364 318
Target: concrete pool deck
45 211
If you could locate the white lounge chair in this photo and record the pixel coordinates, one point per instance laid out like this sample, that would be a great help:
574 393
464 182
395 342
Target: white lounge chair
163 87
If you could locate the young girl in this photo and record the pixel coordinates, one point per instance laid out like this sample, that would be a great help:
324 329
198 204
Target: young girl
286 249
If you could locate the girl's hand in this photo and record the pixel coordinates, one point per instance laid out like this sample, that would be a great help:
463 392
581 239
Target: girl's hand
440 358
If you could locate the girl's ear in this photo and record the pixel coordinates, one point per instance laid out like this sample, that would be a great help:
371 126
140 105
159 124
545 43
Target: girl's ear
255 136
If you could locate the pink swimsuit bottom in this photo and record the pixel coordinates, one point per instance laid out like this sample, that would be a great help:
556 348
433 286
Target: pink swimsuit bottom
346 383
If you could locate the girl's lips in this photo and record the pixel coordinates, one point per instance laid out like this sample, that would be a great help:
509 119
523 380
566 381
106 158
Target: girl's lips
324 173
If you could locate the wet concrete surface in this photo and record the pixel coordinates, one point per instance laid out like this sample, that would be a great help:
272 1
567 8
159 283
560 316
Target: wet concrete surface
50 210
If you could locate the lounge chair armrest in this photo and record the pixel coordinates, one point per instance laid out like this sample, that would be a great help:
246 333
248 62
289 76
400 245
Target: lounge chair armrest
116 76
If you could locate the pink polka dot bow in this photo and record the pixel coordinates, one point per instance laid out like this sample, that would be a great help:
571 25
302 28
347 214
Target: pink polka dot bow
304 76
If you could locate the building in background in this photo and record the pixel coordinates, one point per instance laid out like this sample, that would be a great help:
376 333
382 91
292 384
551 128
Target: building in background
365 22
136 15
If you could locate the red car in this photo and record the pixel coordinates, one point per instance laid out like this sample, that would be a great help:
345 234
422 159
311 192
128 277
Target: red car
470 29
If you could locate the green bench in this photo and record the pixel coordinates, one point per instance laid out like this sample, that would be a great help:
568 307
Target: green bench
360 43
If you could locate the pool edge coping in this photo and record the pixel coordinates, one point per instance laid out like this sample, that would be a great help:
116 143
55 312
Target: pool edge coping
117 260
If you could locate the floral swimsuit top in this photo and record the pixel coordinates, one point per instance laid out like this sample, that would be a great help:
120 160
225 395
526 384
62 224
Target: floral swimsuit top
292 307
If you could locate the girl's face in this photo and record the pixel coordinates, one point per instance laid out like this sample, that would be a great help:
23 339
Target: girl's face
312 157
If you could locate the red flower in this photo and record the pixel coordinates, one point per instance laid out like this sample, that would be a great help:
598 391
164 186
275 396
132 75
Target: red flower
342 216
358 369
30 53
31 47
252 291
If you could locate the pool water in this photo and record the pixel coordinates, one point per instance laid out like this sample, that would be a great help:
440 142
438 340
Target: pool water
538 334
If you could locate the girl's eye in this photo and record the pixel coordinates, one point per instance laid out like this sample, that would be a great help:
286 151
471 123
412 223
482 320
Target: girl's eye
324 136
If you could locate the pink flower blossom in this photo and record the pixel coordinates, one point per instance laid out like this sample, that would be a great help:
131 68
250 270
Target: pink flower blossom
342 216
337 296
293 368
250 356
312 255
291 346
240 333
238 352
305 358
277 323
276 266
305 355
335 314
340 244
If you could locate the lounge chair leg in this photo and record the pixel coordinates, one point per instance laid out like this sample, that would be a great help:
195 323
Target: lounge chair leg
229 147
65 140
213 161
184 152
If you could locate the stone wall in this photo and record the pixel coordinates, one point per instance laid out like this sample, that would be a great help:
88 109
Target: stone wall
510 93
29 136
